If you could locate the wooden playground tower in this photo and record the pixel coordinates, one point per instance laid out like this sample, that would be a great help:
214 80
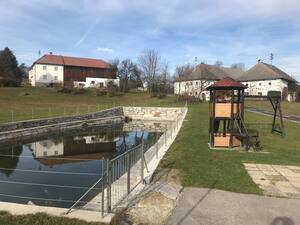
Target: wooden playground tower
226 116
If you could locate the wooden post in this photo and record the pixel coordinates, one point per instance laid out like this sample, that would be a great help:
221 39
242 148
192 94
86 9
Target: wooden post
231 119
243 104
212 133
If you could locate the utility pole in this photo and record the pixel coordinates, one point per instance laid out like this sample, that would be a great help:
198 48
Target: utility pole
271 58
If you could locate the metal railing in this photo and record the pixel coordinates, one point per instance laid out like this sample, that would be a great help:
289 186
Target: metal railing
84 195
119 176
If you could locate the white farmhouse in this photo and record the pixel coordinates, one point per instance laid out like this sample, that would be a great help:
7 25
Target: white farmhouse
263 77
52 70
203 76
260 79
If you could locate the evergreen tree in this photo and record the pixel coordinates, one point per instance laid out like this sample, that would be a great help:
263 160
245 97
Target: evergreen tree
10 73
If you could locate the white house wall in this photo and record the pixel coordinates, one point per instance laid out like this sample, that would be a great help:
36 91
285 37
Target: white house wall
194 88
95 82
42 74
262 87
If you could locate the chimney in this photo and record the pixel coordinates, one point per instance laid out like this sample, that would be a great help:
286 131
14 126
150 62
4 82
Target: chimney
50 53
259 61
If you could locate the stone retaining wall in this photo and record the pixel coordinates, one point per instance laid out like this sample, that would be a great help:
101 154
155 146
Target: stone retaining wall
153 113
28 133
58 120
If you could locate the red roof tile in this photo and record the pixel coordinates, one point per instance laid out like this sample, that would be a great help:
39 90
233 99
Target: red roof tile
72 61
227 82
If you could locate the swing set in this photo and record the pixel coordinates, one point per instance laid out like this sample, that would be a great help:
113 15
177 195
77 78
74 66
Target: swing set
226 107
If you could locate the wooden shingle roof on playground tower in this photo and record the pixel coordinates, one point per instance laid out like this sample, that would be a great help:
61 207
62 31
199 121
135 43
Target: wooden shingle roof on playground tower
226 83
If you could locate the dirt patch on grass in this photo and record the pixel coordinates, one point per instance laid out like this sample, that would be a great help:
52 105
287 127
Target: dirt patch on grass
167 175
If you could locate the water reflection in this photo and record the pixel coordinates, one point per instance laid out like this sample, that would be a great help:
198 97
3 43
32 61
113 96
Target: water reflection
72 160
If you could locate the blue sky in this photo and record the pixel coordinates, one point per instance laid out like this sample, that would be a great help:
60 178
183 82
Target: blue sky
231 31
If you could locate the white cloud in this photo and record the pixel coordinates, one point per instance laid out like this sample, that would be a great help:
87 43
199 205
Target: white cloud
105 50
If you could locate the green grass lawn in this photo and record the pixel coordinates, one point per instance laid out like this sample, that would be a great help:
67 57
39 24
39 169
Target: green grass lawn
38 219
201 167
41 219
33 103
198 166
288 108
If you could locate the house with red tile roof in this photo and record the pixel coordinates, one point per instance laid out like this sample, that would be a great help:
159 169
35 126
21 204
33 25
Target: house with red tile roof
53 69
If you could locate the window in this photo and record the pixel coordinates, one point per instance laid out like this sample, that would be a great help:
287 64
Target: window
45 153
55 77
259 93
92 82
270 83
191 83
247 85
101 84
55 68
55 152
45 77
196 93
44 67
259 84
196 83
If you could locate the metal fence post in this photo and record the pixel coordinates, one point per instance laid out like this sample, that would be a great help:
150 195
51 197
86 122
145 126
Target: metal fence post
12 116
128 173
108 173
102 195
32 114
165 133
156 143
142 161
102 187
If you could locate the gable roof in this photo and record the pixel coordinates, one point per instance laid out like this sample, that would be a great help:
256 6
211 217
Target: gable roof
72 61
264 71
226 83
211 72
234 73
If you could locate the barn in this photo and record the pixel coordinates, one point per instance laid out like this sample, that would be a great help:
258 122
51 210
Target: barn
53 69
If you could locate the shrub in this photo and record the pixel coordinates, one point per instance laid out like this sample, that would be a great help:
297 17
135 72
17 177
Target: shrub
101 92
112 89
64 90
79 91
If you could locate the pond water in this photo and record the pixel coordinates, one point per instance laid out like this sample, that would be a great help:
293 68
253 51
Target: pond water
57 170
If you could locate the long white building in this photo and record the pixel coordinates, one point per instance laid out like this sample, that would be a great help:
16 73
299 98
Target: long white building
260 79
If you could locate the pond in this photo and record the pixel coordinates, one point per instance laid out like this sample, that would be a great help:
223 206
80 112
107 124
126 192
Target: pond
56 170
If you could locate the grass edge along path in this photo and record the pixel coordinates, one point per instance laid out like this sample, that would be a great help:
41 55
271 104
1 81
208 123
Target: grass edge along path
201 167
44 219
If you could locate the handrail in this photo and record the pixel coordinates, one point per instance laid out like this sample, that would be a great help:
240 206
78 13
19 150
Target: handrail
69 210
124 153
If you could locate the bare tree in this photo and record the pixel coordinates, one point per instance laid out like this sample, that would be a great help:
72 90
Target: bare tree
149 62
128 74
238 66
218 63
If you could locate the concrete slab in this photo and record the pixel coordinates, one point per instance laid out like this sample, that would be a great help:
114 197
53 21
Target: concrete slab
276 180
201 206
20 209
